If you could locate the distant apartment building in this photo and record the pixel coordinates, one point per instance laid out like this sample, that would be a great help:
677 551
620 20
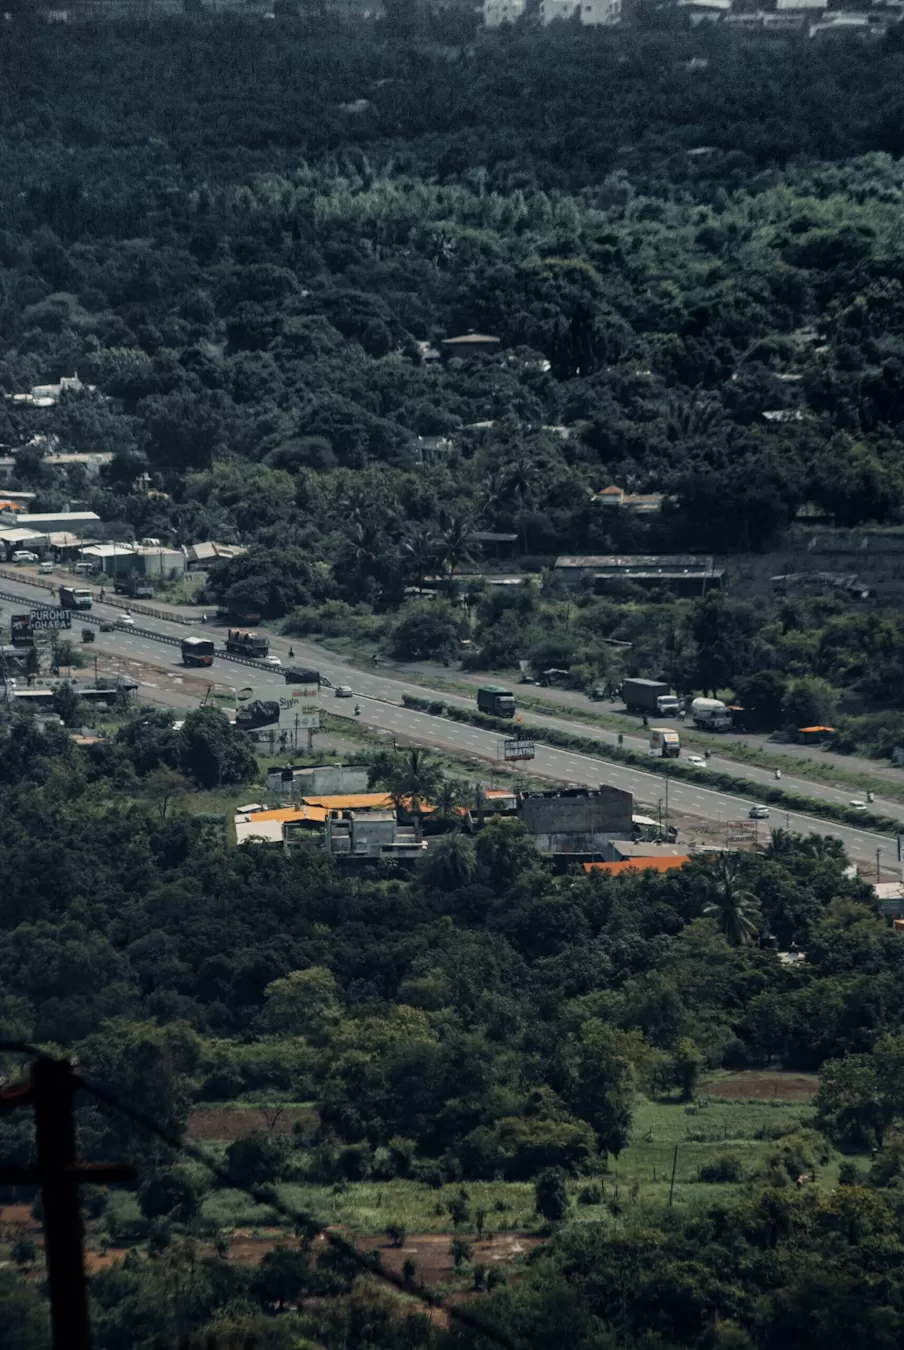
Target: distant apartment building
498 12
591 13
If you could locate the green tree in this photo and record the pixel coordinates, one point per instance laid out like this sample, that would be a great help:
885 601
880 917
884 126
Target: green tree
212 752
256 1159
281 1277
169 1193
551 1195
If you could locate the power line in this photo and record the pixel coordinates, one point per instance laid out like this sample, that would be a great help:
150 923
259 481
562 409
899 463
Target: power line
301 1220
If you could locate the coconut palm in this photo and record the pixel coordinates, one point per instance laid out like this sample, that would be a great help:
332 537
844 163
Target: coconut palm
521 477
735 910
419 547
452 862
456 544
413 780
450 796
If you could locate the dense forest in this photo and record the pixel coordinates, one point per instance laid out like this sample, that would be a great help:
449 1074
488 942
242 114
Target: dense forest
477 1019
244 236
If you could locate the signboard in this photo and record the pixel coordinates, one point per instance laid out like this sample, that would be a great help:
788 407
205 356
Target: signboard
514 750
263 708
54 618
20 634
742 829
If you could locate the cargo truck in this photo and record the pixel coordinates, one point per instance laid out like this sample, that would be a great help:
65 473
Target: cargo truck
664 743
76 597
197 651
649 696
135 587
301 675
710 714
495 701
243 643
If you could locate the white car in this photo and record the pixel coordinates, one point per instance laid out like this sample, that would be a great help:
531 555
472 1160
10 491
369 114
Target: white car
758 813
23 556
271 661
856 805
125 621
694 759
344 691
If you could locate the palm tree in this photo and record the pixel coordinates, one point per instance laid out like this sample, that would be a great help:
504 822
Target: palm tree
456 545
781 843
480 802
413 780
735 910
450 796
452 862
823 847
419 553
521 477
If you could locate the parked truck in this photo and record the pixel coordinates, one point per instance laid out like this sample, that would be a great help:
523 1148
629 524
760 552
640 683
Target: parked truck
135 587
649 696
710 714
495 701
664 743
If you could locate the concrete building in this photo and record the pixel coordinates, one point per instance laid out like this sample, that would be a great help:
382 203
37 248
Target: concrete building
498 12
577 820
433 449
600 13
7 469
370 834
317 780
91 463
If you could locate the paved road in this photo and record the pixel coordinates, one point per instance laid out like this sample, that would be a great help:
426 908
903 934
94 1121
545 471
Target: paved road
380 694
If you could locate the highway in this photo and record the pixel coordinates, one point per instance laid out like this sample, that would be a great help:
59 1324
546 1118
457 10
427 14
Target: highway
380 694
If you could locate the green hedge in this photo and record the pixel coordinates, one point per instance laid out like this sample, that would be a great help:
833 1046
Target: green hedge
712 778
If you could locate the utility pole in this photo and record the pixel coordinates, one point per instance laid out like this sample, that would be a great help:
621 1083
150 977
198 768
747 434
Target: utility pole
59 1174
674 1170
667 804
878 868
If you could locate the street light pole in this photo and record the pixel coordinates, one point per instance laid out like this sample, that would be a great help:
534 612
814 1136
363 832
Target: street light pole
878 868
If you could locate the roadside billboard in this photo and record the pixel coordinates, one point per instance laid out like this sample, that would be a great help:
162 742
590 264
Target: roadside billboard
265 708
20 631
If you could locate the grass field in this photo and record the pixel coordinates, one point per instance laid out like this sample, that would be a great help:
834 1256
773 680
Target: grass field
636 1184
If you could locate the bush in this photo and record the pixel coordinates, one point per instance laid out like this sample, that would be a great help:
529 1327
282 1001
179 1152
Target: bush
551 1195
725 1169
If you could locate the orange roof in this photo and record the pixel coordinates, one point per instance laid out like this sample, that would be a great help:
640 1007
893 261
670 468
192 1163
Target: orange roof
352 801
801 730
315 814
654 864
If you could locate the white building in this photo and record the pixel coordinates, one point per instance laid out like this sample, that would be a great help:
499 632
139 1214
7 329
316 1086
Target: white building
550 10
600 13
495 14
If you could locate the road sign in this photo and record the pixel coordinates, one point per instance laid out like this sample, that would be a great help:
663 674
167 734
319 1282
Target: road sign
52 618
20 634
515 750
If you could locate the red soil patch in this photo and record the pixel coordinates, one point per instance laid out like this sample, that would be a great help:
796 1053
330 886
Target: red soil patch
429 1251
234 1122
782 1087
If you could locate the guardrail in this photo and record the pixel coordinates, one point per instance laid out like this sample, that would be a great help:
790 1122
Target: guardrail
81 616
136 607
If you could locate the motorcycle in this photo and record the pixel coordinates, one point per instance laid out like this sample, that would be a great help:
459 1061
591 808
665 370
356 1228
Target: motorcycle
357 709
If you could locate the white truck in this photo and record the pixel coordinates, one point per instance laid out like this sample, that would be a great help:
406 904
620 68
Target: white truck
664 743
710 714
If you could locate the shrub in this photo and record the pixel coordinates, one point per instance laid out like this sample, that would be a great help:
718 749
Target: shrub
725 1169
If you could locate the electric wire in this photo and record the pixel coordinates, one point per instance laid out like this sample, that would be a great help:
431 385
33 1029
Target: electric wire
302 1221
